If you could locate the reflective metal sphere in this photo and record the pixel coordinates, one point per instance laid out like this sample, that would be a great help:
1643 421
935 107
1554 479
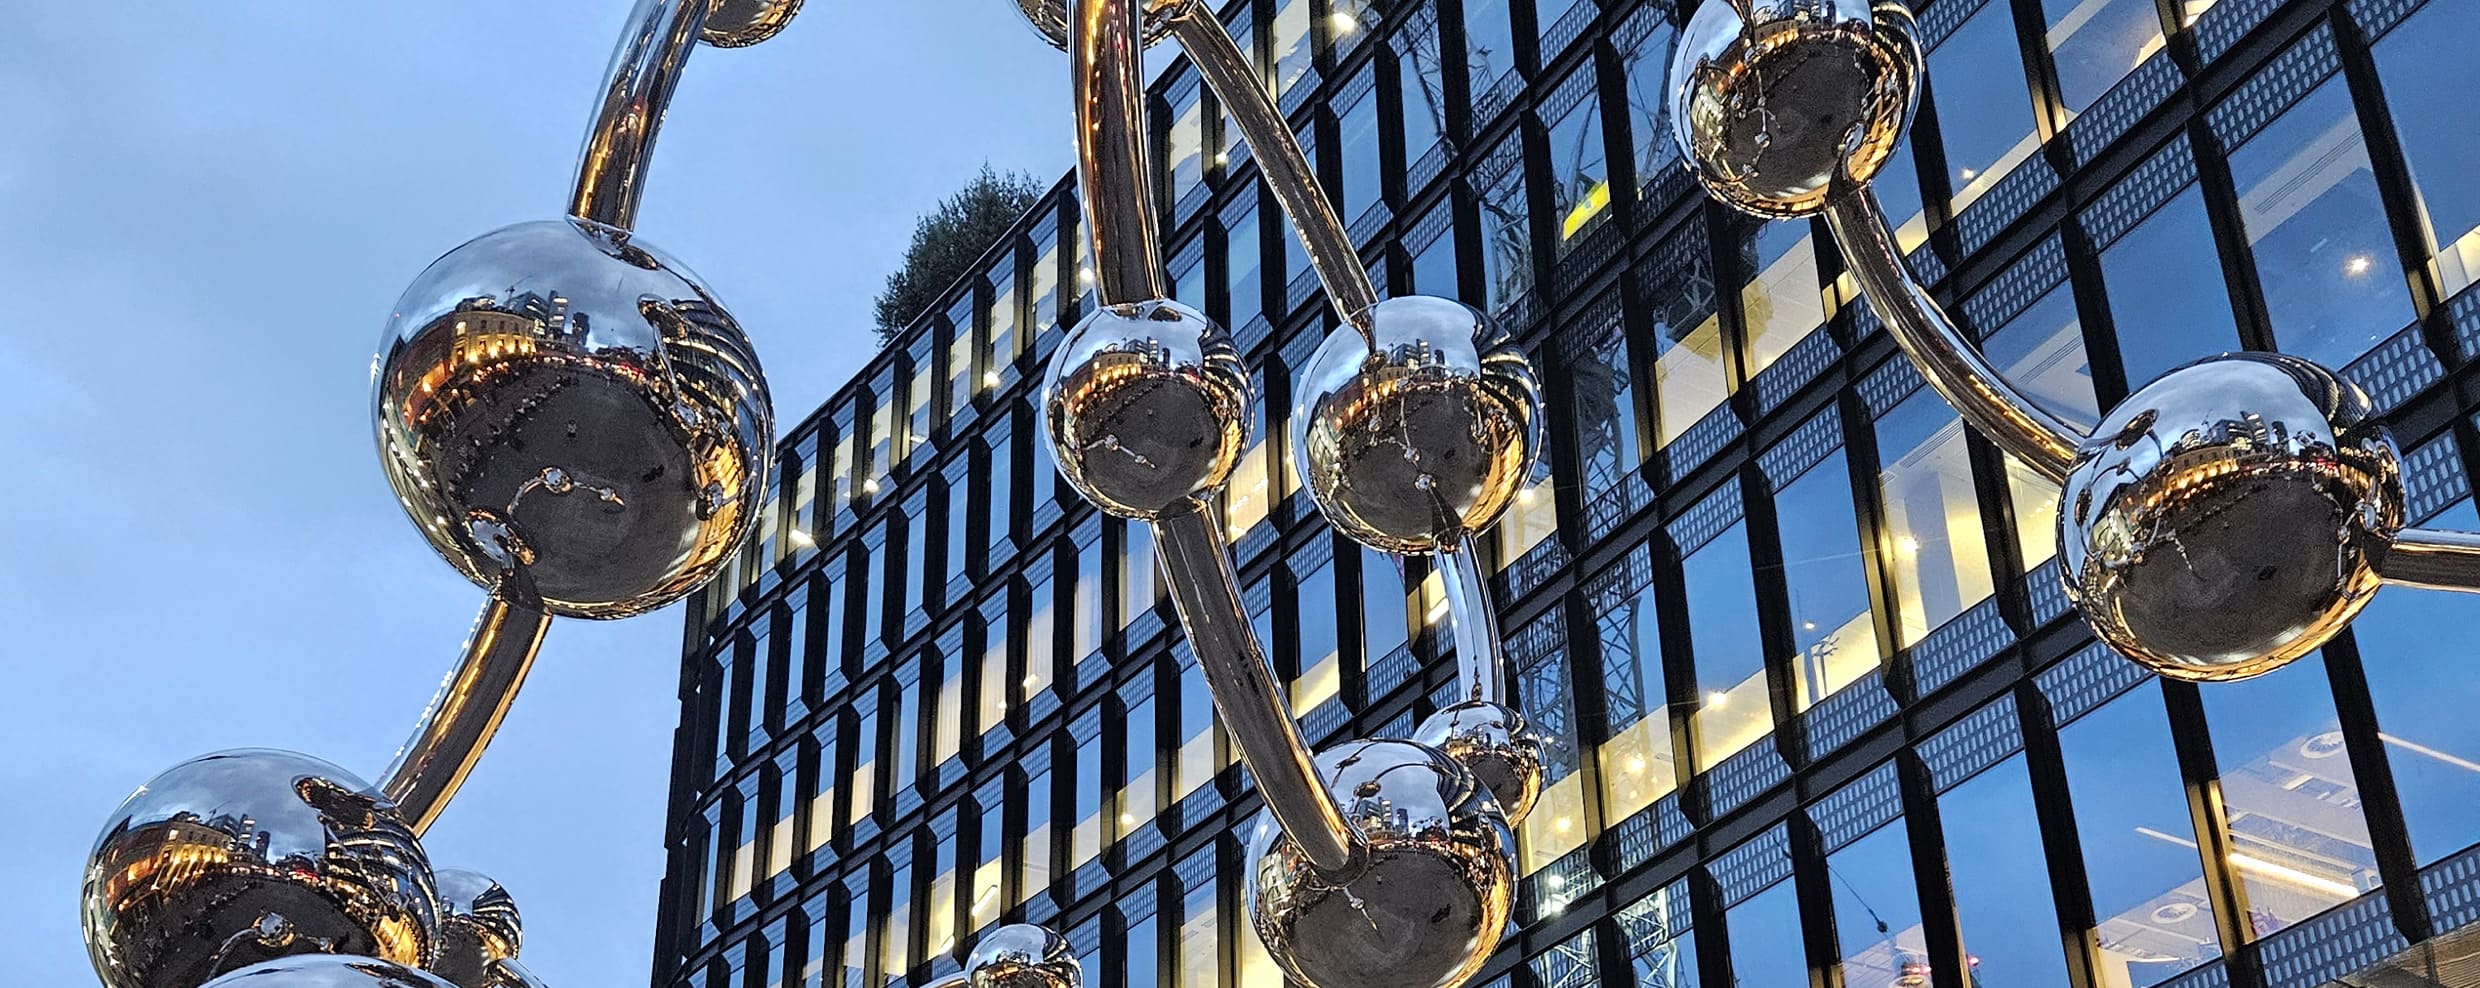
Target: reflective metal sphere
555 395
478 926
2215 526
510 973
1021 956
241 856
741 23
1428 441
1146 407
1494 743
1806 98
1434 898
1049 18
328 971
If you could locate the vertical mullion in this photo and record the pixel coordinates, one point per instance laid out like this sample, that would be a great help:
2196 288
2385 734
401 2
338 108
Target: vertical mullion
1773 598
1924 828
2396 192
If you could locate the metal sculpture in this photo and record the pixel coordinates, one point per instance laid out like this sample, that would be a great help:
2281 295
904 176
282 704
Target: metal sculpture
576 424
1383 863
2221 522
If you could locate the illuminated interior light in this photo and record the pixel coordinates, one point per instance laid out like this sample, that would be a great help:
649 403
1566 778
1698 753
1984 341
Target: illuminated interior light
2359 264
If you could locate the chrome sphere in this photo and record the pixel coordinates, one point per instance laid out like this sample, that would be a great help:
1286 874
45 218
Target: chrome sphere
1022 956
328 971
1049 18
1427 441
1496 745
478 927
2216 525
1146 407
242 856
741 23
1805 99
557 396
1432 900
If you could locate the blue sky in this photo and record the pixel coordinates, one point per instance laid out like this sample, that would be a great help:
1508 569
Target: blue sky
205 211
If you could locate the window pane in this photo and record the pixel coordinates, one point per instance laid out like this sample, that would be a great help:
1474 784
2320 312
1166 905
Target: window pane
1879 935
1139 782
1558 824
947 718
1247 253
1579 170
1037 845
1637 765
2097 42
1648 88
2426 64
2298 841
1784 301
1386 621
1140 584
1732 706
1689 379
2410 641
1506 231
2140 858
2042 352
1198 763
1041 641
1533 518
2323 253
1489 45
1984 112
1358 127
1604 406
1765 938
1932 523
1433 270
1292 54
1201 939
1319 646
1184 147
1423 80
1086 612
1831 626
2167 297
1665 946
866 743
1085 840
2002 892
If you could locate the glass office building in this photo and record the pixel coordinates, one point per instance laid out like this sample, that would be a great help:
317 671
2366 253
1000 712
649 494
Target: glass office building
1821 714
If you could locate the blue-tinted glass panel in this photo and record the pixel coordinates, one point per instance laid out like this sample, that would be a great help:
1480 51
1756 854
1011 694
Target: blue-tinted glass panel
1732 711
1661 941
1363 184
1833 631
1603 404
1984 108
2298 841
2323 252
2426 65
1579 171
1489 44
2168 301
1422 78
1648 102
2412 642
2095 43
2140 858
2001 880
1931 532
1765 938
1878 932
1636 761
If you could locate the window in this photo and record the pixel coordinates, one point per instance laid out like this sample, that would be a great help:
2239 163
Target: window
2425 62
1199 760
819 952
1201 958
1561 822
1247 496
996 685
961 383
1244 241
727 738
904 737
1386 619
1732 710
923 403
947 713
1140 584
882 439
856 943
1636 762
1318 647
1433 266
938 926
1579 169
1293 56
783 809
866 742
2042 352
1664 944
1422 77
1188 281
1042 483
1833 633
1140 940
1879 937
1004 343
895 930
1984 111
2095 43
2323 252
1041 640
745 817
1689 379
1930 534
2297 839
1043 286
821 778
1140 781
913 566
1648 99
2408 641
1765 936
840 470
1489 46
1532 520
990 876
956 524
1784 300
1363 182
1506 228
1086 839
998 496
2002 892
1184 145
1085 613
2140 859
1038 847
2167 297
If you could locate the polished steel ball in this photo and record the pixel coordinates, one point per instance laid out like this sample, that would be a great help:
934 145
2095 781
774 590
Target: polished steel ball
328 971
478 927
2217 523
1496 745
1049 18
1433 898
556 396
1022 956
1147 408
1805 99
242 856
1424 443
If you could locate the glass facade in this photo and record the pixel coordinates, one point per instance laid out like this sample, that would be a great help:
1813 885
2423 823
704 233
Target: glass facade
1820 712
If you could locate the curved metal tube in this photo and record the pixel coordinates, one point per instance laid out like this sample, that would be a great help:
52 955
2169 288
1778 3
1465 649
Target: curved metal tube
1281 161
1945 354
462 718
1113 187
2432 559
637 89
1478 660
1206 590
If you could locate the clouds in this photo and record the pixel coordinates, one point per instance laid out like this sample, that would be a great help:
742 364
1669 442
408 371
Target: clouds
205 210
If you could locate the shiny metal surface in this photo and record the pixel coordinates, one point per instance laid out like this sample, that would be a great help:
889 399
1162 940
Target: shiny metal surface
1493 741
1280 161
741 23
1251 705
1423 442
1480 667
1949 358
1049 18
242 856
461 720
478 927
1147 407
637 90
2427 557
511 973
1112 174
323 971
1782 105
1434 897
559 397
1022 956
2216 525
